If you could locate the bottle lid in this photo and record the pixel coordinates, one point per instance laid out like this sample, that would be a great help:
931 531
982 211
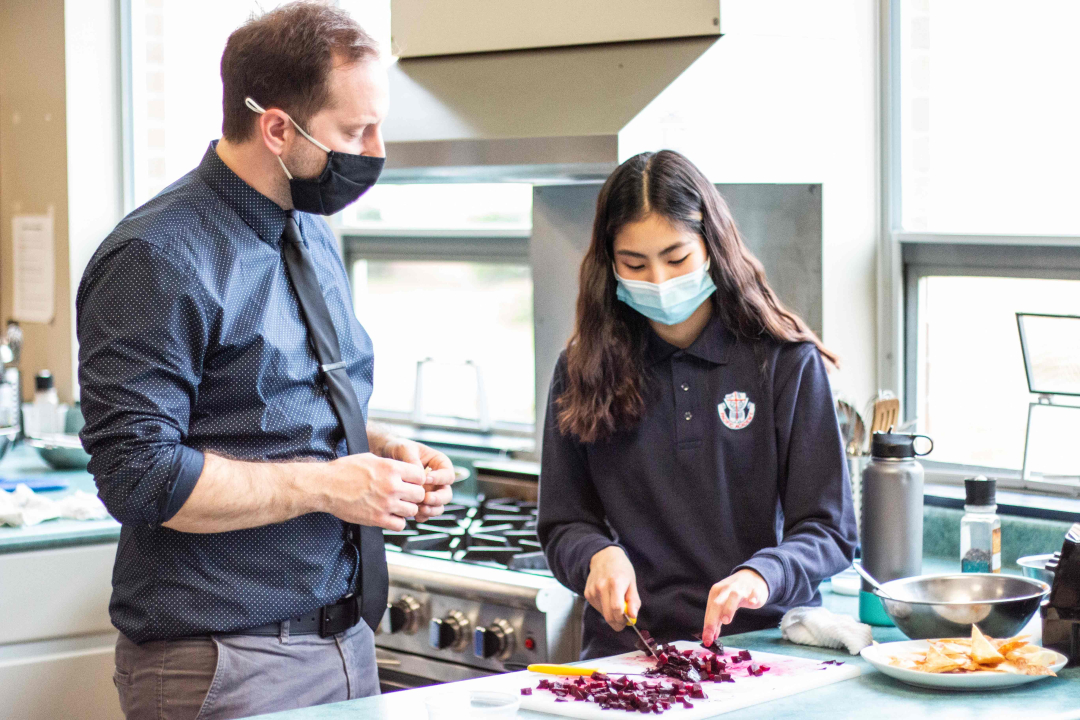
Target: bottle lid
43 380
896 445
980 491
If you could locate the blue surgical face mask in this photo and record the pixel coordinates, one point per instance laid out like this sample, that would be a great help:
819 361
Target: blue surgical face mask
668 302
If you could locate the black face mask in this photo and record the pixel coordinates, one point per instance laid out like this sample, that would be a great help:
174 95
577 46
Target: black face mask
344 179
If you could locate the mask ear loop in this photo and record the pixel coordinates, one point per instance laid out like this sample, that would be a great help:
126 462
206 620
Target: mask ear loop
257 108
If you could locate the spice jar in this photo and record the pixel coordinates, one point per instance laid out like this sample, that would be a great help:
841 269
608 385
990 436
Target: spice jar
980 528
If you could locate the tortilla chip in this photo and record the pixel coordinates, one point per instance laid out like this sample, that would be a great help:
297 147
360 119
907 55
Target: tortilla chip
964 642
982 651
951 648
937 662
1032 655
1006 646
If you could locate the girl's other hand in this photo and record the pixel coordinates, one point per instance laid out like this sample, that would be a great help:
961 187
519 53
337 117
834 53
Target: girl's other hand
743 588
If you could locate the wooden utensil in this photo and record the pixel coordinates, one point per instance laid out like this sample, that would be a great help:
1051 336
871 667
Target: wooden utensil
886 415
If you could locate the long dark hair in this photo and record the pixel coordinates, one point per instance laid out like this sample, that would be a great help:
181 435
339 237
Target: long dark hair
604 392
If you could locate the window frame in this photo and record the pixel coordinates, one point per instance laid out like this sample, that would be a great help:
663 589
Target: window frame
468 245
923 255
905 257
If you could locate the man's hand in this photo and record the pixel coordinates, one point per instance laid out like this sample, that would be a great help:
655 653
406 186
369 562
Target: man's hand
439 469
744 588
371 490
611 584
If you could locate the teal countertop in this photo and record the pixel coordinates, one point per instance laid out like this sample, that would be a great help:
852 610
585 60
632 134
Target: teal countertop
869 695
23 462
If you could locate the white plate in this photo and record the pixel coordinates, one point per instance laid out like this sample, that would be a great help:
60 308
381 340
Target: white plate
878 656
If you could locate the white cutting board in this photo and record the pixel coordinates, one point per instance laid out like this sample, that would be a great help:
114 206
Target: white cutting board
787 675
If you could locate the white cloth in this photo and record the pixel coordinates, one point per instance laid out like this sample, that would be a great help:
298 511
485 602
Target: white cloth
823 628
22 506
82 506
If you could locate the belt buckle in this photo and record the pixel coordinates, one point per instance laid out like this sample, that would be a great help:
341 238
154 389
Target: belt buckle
338 618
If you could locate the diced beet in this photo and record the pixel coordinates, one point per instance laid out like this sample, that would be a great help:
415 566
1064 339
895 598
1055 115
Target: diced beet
597 675
744 655
526 691
726 677
716 647
544 684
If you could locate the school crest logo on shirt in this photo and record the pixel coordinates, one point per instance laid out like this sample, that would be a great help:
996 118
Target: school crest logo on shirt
736 411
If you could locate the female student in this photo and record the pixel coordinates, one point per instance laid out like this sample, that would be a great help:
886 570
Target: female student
693 470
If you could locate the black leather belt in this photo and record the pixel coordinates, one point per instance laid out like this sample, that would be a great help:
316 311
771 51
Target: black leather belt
326 621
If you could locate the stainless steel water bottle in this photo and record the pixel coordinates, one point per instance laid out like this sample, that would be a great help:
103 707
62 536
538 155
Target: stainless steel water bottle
892 517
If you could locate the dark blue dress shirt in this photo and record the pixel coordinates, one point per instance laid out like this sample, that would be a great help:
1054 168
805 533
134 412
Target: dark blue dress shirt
730 467
190 341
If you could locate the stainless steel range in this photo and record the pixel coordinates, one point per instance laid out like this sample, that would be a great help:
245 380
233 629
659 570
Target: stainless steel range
471 595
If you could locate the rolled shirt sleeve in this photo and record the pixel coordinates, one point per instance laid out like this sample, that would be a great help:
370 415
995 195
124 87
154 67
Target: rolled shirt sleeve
571 525
819 535
143 328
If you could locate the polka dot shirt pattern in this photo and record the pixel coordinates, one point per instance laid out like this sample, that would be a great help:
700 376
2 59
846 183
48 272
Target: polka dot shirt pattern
191 340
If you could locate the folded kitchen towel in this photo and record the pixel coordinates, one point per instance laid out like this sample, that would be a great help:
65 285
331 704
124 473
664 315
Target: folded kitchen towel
823 628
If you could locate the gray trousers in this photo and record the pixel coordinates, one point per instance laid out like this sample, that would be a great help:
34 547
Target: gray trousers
221 677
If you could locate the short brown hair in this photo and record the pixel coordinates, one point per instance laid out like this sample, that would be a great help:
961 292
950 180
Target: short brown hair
283 59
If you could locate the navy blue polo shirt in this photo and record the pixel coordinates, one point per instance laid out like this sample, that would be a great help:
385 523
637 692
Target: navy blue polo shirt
730 467
190 341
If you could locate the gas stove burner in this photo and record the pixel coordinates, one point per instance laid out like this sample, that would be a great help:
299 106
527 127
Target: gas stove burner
398 538
499 532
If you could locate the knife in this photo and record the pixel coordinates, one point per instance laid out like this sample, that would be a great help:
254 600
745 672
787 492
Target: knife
632 622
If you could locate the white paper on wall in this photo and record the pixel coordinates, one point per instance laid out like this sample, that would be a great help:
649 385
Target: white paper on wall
34 274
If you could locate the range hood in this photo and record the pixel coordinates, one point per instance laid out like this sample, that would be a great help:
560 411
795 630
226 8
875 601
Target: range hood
536 115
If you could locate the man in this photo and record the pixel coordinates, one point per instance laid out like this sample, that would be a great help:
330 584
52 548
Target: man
225 383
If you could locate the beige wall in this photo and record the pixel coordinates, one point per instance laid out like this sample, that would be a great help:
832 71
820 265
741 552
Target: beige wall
33 168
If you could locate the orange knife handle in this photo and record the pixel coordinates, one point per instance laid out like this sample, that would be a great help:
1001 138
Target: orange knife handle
561 670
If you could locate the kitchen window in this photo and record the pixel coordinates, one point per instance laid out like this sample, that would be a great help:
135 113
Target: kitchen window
442 283
452 329
967 382
979 221
988 116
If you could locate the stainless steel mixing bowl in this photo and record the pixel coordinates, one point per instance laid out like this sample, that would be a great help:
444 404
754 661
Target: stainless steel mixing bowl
1034 566
935 606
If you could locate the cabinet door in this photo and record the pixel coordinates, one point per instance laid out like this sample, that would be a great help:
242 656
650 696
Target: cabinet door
56 593
59 679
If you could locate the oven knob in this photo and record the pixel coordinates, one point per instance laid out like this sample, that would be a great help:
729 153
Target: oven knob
405 615
496 641
451 631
